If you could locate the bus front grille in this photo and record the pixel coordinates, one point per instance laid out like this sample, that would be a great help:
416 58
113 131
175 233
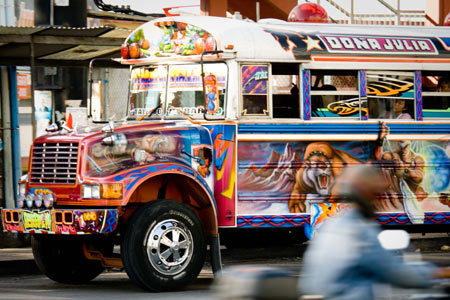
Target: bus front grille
54 163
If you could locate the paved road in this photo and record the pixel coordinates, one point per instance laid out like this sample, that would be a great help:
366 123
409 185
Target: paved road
116 285
28 284
108 286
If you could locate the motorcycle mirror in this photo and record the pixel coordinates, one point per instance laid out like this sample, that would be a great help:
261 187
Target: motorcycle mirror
394 239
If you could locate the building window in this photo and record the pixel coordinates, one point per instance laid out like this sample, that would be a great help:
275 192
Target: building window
254 90
436 94
390 95
334 94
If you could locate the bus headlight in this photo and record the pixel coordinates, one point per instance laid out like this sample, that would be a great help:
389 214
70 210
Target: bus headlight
21 192
21 200
102 191
90 191
22 189
30 199
111 190
38 200
48 200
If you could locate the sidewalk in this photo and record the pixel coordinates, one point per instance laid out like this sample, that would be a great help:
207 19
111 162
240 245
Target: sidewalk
17 262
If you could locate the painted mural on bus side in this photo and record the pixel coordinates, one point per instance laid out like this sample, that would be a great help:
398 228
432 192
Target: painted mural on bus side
287 177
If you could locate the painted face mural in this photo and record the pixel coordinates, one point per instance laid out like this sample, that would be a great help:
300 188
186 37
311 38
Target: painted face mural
287 177
204 160
132 149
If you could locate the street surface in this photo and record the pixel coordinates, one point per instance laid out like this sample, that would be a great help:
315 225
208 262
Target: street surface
28 284
109 286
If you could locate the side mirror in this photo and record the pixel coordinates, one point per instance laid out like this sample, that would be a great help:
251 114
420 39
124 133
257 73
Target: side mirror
139 155
109 140
52 128
394 239
108 129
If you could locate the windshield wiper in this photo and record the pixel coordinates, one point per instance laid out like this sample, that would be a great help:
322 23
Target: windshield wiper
186 116
149 113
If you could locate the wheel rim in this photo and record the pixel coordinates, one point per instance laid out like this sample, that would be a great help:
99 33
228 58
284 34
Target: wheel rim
170 247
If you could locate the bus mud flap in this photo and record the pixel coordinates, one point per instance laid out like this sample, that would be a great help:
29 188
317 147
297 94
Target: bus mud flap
216 257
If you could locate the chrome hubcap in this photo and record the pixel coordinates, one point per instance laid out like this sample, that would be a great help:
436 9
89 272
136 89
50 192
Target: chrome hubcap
169 247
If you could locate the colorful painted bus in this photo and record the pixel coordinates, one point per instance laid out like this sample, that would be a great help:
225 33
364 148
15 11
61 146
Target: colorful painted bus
233 125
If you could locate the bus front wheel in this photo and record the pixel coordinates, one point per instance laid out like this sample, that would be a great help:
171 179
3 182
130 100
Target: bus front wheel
164 246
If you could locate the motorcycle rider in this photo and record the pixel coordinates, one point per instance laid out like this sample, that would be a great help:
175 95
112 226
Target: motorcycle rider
345 259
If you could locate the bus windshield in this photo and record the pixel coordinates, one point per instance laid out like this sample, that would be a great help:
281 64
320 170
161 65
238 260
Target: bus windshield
185 95
147 91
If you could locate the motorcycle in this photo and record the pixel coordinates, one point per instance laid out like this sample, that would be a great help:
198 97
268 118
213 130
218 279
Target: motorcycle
269 283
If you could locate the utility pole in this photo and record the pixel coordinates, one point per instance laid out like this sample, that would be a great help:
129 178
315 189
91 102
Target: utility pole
352 12
52 13
8 174
257 11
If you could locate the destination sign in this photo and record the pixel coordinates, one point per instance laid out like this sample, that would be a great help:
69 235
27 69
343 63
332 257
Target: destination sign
377 44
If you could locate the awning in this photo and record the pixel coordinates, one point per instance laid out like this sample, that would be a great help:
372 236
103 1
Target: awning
59 46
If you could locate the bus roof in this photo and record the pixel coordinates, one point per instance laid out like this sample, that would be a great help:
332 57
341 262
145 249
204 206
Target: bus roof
276 40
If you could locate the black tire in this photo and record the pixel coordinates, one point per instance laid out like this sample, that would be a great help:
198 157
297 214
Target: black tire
61 258
144 246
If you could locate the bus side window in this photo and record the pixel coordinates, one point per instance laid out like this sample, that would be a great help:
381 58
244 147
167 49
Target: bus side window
254 90
254 105
285 91
436 94
390 94
334 94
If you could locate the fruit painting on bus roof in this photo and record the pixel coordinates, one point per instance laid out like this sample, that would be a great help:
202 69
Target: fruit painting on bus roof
166 38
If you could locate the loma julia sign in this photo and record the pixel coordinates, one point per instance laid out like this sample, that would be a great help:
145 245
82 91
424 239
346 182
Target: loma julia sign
378 44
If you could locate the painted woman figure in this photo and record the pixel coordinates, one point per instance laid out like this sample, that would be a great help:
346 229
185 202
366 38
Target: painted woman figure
212 94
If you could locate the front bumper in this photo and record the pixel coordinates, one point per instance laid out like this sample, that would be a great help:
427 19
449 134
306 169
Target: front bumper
60 221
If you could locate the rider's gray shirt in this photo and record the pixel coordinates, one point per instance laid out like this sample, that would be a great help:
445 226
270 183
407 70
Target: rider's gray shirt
344 261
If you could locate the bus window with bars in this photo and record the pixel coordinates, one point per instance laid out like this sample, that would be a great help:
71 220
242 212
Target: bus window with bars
436 94
390 95
334 93
254 90
285 91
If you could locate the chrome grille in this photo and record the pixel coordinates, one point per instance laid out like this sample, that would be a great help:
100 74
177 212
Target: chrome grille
54 163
